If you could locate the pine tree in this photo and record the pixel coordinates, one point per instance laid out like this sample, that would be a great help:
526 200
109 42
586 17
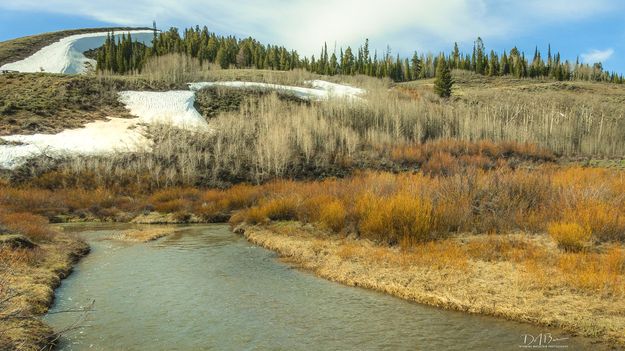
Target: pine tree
222 58
480 67
348 62
456 56
120 54
493 64
416 66
443 82
333 64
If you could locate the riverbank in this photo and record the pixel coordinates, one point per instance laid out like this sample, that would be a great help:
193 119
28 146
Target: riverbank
28 276
485 274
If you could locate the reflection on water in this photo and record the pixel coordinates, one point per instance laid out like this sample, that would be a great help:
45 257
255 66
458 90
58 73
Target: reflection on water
206 288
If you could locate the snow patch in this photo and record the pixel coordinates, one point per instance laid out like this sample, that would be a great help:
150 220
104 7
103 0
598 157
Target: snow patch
336 89
114 135
94 138
172 107
66 55
321 90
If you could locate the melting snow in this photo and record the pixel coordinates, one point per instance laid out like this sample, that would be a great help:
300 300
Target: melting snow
123 135
66 55
321 90
114 135
171 107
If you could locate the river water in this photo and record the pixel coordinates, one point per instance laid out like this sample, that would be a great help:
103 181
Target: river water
205 288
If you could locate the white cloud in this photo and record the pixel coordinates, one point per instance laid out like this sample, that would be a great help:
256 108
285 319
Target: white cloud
594 56
305 25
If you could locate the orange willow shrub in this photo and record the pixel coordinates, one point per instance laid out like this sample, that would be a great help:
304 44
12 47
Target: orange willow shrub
593 199
442 163
411 208
275 209
402 218
174 200
450 154
241 196
27 199
332 216
311 208
101 203
605 221
393 208
570 236
33 226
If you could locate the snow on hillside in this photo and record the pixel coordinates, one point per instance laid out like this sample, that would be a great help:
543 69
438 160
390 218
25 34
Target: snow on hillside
336 89
321 90
66 55
94 138
175 108
171 107
115 135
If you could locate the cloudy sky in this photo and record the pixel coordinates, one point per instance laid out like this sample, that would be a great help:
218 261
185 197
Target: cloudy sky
592 30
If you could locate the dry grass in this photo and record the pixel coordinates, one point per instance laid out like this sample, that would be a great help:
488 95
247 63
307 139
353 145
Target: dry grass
264 137
27 280
33 226
143 235
36 258
50 103
501 275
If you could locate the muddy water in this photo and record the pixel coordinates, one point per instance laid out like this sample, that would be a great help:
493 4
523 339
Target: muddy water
206 288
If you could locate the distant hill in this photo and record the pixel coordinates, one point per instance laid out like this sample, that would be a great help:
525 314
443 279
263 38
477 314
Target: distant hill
17 49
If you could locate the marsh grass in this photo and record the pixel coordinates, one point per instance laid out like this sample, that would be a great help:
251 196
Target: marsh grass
485 274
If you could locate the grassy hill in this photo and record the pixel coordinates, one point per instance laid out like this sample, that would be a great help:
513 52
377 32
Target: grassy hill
20 48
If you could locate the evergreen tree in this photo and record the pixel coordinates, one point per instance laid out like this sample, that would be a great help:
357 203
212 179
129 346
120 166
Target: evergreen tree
333 64
456 56
443 82
222 58
416 66
120 54
480 67
347 64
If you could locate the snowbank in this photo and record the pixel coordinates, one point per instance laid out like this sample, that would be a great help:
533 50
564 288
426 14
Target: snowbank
336 89
94 138
114 135
66 55
171 107
321 90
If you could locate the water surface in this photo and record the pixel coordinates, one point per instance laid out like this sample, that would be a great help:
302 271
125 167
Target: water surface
206 288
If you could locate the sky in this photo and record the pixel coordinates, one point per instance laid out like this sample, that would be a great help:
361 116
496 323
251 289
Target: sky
592 30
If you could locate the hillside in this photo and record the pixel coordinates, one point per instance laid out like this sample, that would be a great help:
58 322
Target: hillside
578 120
20 48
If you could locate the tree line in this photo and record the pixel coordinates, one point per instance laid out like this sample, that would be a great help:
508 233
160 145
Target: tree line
125 55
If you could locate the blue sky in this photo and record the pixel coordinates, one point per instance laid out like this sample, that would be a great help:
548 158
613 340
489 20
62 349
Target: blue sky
593 30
